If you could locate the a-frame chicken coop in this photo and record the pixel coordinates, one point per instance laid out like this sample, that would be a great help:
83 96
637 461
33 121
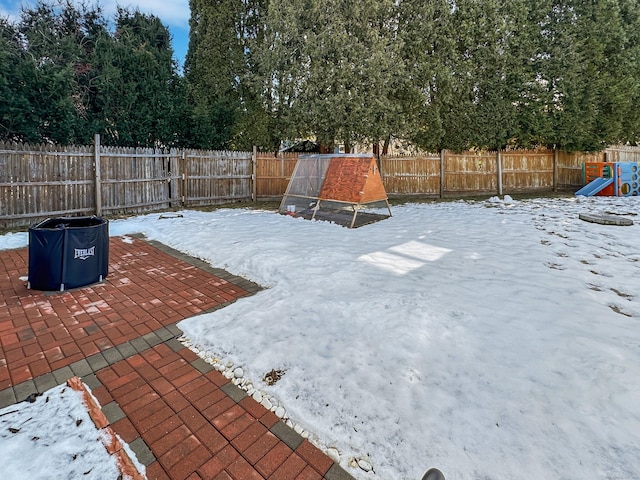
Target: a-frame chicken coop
341 188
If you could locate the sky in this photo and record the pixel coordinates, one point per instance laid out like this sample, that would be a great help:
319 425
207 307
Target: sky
174 14
493 339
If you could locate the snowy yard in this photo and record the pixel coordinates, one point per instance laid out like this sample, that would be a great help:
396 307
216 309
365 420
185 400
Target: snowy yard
494 340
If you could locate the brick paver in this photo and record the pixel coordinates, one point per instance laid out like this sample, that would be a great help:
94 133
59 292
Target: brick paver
146 290
211 436
182 418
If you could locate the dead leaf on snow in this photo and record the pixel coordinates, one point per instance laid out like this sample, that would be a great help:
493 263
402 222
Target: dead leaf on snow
270 378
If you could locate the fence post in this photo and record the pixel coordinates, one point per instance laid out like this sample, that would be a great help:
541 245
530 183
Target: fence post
499 160
184 178
442 155
254 174
96 166
555 169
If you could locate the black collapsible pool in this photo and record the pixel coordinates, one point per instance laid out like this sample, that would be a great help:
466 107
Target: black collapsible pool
68 253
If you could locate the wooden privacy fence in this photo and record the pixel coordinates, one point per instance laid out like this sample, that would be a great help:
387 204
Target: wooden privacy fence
273 173
451 174
40 181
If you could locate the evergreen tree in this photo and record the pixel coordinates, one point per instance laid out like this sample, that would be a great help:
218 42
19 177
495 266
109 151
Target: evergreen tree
534 123
136 71
87 29
425 34
16 75
218 69
445 74
331 69
48 75
630 116
64 77
489 68
591 73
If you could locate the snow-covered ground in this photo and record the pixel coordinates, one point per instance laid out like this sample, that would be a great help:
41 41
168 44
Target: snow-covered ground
494 340
53 438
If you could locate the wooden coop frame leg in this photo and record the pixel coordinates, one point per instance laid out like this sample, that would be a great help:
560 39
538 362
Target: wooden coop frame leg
355 213
315 209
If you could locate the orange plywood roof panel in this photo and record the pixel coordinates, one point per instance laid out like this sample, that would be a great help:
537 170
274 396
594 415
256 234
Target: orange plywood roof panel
353 179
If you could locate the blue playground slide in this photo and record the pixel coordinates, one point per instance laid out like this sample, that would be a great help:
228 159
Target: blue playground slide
595 186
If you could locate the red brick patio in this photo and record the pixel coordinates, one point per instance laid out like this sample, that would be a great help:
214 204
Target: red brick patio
182 418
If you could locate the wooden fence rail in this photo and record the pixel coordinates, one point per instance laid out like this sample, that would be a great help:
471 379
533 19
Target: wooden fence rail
40 181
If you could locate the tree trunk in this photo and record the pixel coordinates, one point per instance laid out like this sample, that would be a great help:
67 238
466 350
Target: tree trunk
385 147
